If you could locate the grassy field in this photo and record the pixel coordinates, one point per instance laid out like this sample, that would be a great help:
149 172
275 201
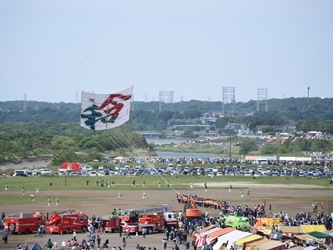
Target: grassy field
125 183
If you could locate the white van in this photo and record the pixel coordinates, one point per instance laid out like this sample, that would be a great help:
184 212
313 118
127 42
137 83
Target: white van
62 171
21 172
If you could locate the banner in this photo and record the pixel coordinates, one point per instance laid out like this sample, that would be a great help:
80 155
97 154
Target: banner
105 111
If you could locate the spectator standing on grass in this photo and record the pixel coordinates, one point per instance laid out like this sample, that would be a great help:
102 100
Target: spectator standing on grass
120 230
49 244
26 247
6 187
5 236
165 243
124 243
128 234
144 231
98 241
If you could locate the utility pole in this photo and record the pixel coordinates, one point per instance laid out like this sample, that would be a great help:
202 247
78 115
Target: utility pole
230 146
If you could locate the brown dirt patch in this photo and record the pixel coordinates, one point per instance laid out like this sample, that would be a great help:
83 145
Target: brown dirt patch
291 199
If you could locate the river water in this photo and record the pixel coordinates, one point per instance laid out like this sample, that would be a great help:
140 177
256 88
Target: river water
187 155
166 154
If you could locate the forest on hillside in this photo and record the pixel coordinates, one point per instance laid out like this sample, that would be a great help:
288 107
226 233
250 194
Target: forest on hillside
41 129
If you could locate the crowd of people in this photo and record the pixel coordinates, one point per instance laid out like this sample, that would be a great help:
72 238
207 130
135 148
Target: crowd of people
317 217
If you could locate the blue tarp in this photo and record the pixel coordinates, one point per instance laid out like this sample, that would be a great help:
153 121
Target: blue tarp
36 247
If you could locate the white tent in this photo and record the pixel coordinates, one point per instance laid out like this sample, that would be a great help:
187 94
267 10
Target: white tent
230 238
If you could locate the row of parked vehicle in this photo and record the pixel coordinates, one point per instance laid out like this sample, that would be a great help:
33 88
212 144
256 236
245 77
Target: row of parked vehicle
214 171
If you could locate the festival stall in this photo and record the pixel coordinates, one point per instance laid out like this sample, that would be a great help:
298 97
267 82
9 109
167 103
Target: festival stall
270 245
229 239
201 237
211 238
250 245
307 239
312 228
239 244
290 231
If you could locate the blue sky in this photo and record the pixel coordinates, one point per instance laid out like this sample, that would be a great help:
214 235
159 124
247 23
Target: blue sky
52 50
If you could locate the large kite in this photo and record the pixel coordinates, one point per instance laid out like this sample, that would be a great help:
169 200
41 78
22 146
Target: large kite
105 111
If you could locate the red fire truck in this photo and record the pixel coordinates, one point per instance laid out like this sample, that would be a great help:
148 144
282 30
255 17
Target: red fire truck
150 218
25 222
67 222
111 223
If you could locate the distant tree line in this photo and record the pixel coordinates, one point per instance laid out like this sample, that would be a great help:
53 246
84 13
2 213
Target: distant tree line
305 113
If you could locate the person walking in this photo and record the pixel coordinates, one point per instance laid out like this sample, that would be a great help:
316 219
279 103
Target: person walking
6 187
49 202
57 201
120 195
23 191
242 194
144 195
230 188
37 189
120 230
